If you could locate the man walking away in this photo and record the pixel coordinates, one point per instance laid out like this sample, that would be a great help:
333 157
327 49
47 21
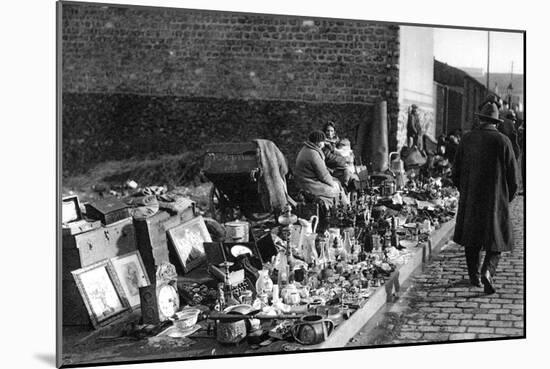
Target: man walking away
485 174
508 128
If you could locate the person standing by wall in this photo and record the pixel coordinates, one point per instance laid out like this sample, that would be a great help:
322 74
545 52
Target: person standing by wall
485 173
414 128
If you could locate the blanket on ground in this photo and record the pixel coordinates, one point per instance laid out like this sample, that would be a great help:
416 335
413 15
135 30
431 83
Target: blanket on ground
274 192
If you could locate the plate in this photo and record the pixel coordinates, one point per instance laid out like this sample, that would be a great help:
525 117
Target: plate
266 342
240 250
175 332
408 243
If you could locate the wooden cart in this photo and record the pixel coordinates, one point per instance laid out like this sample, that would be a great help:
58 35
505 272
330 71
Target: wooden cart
235 170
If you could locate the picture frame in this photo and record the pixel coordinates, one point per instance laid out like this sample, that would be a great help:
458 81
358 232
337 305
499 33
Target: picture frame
102 292
132 274
188 240
70 210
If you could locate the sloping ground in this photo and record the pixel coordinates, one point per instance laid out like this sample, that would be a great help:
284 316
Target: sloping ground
180 172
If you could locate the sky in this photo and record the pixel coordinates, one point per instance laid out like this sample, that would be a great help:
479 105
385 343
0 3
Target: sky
466 48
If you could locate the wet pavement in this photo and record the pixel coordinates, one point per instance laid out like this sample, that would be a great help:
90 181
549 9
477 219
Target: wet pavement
439 304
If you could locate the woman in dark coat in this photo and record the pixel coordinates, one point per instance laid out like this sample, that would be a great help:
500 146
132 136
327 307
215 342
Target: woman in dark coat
485 173
311 173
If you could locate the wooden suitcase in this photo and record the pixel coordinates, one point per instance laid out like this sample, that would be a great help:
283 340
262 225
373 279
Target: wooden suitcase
108 211
83 249
80 226
152 239
106 242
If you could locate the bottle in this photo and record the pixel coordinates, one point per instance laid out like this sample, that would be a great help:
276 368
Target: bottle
347 241
291 262
282 270
221 297
394 236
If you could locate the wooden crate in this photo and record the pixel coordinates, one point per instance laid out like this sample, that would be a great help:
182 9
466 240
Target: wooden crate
106 242
108 211
152 239
83 249
230 158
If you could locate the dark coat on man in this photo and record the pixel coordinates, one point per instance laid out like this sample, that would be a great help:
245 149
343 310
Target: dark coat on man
485 173
509 129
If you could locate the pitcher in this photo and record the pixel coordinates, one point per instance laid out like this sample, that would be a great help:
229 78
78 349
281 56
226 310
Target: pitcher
307 228
310 252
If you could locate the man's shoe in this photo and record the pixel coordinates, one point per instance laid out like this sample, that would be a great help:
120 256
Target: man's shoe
476 281
487 281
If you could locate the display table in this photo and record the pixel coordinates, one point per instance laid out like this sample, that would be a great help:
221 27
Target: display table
83 347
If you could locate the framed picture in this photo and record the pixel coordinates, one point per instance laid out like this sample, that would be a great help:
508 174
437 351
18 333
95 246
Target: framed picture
188 239
70 210
132 275
102 292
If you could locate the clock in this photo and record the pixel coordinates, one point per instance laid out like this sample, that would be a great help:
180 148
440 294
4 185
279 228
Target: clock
160 300
168 301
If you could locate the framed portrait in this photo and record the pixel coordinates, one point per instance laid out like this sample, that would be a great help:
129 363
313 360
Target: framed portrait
132 275
188 239
102 292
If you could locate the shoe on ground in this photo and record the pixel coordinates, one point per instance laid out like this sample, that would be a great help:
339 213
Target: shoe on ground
487 281
476 281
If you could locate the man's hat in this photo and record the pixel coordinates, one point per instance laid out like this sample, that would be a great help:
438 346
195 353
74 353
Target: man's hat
511 115
489 113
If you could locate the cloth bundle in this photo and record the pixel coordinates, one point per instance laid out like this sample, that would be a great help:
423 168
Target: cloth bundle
274 192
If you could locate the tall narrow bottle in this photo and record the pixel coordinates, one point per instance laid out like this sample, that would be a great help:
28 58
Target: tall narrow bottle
394 236
282 270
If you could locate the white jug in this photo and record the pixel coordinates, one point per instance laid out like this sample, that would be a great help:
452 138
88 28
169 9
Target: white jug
307 228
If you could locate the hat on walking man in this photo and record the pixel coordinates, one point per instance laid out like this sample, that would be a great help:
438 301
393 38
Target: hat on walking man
489 113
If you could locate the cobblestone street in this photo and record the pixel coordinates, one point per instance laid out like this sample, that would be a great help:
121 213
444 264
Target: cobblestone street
440 305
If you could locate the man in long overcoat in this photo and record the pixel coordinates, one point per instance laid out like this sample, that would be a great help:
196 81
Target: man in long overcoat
508 128
485 173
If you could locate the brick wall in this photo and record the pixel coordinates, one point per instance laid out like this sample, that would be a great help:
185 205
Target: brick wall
234 64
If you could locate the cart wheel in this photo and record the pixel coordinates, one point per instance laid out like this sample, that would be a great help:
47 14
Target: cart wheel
219 205
216 204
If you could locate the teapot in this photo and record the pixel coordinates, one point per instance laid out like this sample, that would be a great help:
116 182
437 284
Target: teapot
312 329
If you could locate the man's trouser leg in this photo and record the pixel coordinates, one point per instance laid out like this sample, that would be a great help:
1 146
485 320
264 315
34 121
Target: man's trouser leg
472 261
490 262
